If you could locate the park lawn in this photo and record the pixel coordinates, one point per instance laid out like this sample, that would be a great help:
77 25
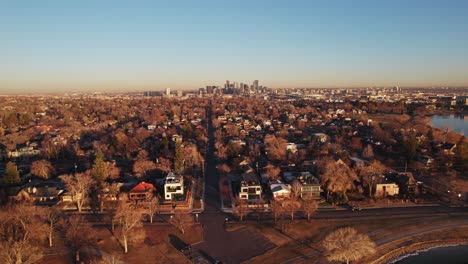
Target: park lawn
57 259
159 245
312 233
273 234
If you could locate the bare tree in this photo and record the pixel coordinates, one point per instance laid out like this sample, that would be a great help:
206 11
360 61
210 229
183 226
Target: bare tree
19 252
180 220
272 172
224 168
20 222
52 216
370 174
291 206
192 156
275 147
142 155
345 244
153 207
368 152
241 209
142 167
164 165
129 223
20 231
42 168
79 186
221 150
309 206
78 234
277 209
296 188
338 177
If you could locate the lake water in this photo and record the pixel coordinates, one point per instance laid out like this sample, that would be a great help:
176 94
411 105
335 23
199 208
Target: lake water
443 255
458 124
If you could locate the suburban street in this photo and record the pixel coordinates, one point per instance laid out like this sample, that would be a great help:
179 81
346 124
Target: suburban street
219 244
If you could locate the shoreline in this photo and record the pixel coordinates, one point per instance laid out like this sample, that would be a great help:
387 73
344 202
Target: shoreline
450 129
411 250
423 249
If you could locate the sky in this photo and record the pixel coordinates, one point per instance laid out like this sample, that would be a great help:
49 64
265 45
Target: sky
99 45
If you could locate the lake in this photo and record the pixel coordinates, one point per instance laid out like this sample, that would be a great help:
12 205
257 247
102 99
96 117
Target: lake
445 255
459 124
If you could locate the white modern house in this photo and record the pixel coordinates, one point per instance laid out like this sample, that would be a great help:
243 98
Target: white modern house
280 190
250 189
173 186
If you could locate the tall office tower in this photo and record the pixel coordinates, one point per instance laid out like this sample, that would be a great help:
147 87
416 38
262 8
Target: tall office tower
180 93
209 89
255 85
241 88
226 86
168 91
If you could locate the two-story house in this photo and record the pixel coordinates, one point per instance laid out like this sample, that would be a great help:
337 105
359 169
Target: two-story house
173 186
250 188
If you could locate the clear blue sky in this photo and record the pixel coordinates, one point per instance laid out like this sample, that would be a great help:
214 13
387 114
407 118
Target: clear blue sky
149 45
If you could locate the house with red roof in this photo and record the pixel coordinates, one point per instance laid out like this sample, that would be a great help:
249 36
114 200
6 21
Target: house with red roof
142 191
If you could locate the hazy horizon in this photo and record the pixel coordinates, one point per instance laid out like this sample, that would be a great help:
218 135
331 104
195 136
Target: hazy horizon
117 46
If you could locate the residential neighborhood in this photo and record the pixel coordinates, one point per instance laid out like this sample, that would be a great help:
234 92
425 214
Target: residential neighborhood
242 156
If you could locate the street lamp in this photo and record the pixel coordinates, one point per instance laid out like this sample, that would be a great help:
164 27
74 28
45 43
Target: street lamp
196 217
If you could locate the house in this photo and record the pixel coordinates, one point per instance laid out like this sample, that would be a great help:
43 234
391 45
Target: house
142 191
302 176
426 160
448 148
310 191
406 183
173 186
385 188
250 189
237 141
292 147
44 193
310 186
16 193
280 190
177 138
357 161
320 137
26 151
151 127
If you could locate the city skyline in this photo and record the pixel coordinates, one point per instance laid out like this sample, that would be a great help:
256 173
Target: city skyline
118 46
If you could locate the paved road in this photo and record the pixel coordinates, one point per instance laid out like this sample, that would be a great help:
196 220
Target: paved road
228 247
392 212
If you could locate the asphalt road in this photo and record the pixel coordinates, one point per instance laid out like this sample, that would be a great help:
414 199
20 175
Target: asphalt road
219 244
